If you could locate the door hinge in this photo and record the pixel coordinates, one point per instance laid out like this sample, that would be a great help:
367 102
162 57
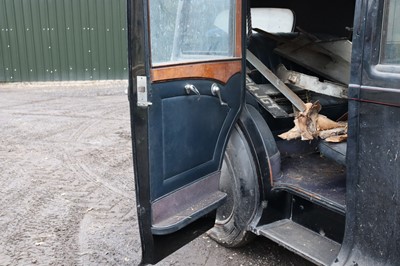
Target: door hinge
141 86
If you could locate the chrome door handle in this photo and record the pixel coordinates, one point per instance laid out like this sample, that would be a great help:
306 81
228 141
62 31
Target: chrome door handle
216 91
191 88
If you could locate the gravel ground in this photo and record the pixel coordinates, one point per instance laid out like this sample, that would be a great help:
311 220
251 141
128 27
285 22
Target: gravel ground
67 188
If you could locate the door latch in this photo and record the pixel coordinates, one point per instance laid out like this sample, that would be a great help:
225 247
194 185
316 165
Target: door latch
216 91
141 87
191 88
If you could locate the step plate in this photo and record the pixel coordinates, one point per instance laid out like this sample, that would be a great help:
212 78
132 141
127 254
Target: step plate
308 244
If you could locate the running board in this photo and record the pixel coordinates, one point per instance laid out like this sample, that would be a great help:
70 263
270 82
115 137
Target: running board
301 240
185 205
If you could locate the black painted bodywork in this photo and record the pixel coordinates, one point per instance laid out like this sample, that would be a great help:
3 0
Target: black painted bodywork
364 217
373 182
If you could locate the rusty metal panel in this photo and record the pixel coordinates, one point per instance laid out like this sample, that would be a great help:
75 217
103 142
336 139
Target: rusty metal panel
63 40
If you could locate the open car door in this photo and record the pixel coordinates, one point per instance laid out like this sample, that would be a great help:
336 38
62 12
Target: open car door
186 91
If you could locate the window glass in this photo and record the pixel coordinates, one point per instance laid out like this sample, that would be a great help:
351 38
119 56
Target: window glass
191 30
390 48
272 20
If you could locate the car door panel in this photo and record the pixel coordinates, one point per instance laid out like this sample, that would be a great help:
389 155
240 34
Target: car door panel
186 92
188 127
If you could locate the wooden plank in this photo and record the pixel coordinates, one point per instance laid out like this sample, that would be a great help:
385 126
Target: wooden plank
303 81
341 48
319 57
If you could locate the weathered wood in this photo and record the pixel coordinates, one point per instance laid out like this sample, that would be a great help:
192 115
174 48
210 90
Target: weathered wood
303 81
329 59
340 48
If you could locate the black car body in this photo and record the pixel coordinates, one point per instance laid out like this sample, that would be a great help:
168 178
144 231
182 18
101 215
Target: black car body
205 126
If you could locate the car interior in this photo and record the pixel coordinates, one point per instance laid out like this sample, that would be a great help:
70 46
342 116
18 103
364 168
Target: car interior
313 169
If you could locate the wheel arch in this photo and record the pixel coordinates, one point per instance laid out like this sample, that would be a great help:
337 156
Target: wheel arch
263 147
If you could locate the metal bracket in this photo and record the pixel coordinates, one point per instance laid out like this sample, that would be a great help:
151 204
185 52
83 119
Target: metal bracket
141 86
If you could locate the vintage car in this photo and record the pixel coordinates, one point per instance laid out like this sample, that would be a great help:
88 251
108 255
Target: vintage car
272 118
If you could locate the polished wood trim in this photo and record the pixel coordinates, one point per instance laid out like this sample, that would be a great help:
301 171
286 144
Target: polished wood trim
238 29
220 71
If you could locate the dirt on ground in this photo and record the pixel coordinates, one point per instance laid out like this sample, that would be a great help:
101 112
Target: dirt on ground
67 194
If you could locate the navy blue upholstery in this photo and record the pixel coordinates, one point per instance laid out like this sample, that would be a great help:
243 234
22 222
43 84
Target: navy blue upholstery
334 151
187 133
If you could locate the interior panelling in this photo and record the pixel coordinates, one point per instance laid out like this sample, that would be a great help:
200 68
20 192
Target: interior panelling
185 131
197 133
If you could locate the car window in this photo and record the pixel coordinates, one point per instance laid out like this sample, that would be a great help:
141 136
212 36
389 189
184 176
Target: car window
273 20
390 39
191 30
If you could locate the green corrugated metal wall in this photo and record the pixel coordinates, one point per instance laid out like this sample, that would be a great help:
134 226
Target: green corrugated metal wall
54 40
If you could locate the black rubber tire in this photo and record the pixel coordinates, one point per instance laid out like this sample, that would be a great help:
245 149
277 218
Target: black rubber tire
239 181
